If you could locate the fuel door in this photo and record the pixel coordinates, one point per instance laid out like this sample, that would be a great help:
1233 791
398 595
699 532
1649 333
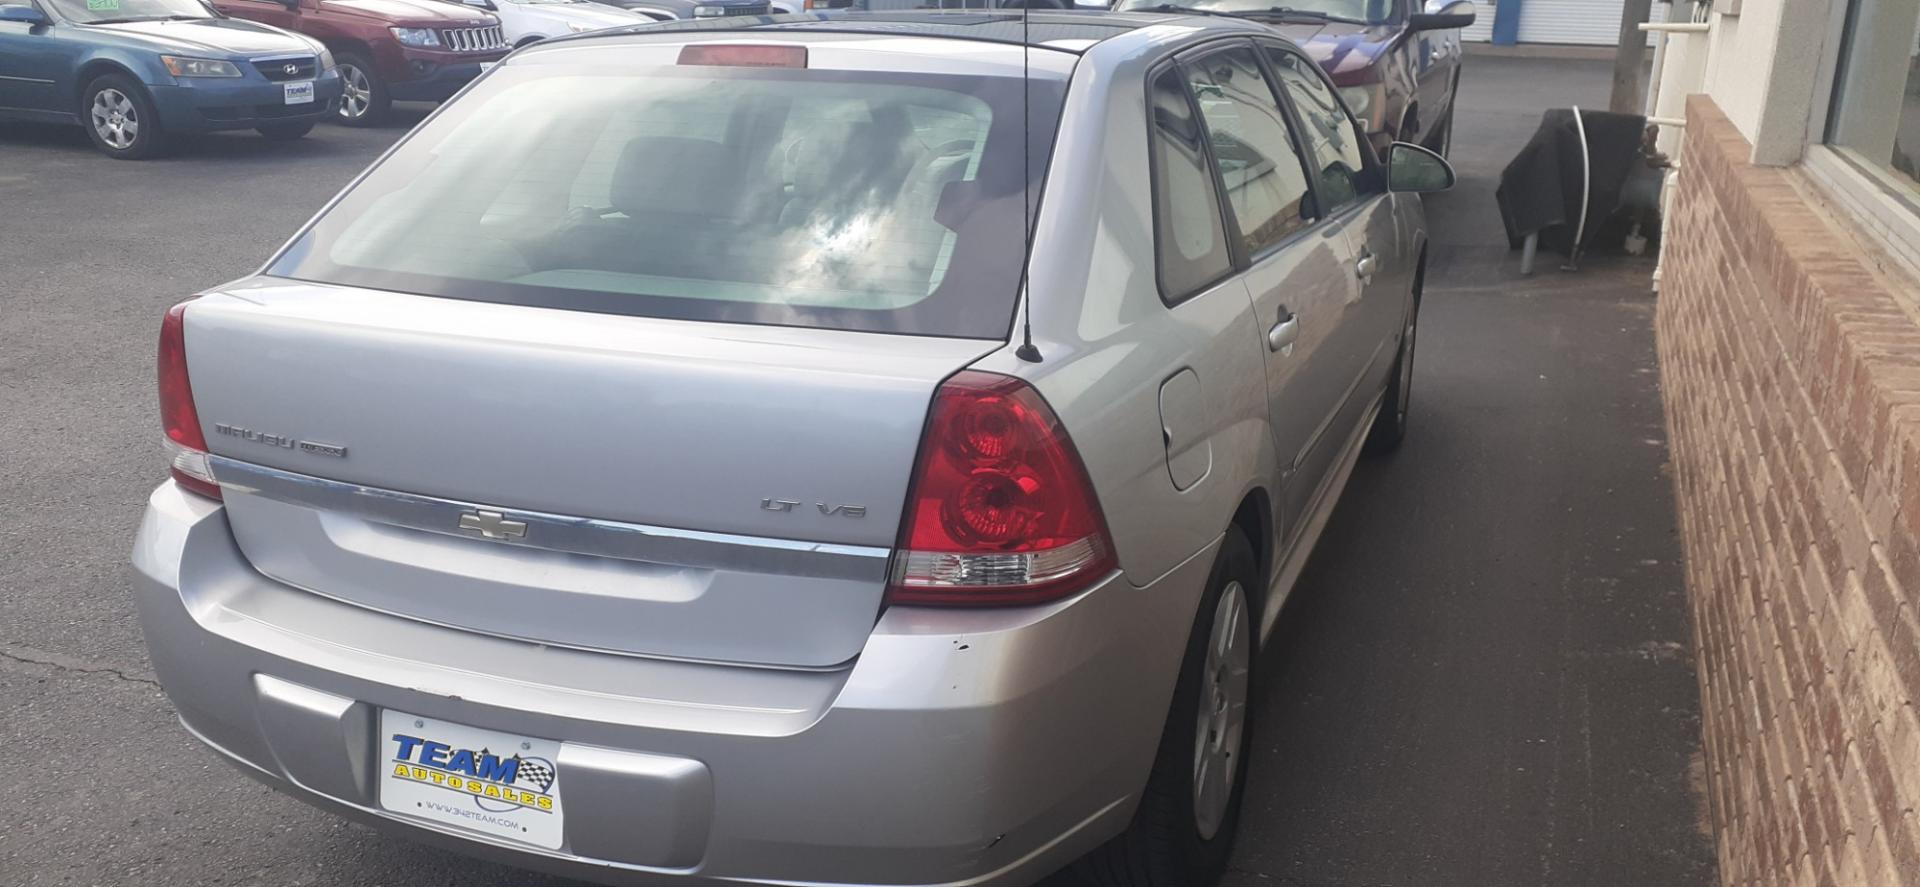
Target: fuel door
1183 423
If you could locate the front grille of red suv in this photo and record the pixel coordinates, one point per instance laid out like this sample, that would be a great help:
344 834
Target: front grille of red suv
473 39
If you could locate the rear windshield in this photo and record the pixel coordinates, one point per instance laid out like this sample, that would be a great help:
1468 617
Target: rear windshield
857 200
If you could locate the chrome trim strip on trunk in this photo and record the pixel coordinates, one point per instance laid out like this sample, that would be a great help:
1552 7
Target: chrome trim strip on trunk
555 532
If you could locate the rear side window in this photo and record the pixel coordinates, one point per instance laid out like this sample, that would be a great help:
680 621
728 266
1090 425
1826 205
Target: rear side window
1190 238
1266 186
847 200
1333 141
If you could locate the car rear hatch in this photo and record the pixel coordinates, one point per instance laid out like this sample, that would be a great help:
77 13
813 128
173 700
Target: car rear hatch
669 488
630 357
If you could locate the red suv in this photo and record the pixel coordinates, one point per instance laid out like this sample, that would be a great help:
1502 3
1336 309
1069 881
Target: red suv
410 50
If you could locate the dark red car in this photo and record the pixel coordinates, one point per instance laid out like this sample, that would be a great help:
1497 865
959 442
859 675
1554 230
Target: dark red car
387 50
1397 62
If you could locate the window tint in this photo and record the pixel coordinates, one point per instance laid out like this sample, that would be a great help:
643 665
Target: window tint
1333 140
846 200
1191 239
1266 186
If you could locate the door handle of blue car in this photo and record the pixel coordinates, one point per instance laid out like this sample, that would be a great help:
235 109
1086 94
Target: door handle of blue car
1284 333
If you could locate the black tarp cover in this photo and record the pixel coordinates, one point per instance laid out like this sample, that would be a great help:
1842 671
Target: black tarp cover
1540 188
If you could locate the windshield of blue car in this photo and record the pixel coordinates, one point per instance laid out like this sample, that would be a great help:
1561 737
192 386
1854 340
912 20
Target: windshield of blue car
854 200
93 12
1334 10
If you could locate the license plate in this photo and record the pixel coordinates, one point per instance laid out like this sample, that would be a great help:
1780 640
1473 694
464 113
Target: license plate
300 93
477 780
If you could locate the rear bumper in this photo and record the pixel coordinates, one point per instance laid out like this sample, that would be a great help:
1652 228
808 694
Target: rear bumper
210 105
961 747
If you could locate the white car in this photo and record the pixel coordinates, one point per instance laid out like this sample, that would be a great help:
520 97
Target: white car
526 21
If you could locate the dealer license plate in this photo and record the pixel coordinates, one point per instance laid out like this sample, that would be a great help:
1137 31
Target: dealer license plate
477 780
300 93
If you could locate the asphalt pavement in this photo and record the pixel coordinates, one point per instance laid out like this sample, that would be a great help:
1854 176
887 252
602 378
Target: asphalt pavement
1484 676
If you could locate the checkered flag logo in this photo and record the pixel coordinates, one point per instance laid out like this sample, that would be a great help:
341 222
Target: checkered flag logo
539 773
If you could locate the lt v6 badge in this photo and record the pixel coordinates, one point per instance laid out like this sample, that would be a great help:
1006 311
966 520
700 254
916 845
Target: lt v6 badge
787 505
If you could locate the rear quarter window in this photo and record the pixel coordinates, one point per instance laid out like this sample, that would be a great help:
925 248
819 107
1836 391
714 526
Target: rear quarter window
1189 235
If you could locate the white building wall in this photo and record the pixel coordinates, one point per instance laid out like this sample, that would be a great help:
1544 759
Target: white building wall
1740 54
1763 67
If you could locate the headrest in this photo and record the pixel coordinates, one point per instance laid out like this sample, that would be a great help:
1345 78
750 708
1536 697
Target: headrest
669 175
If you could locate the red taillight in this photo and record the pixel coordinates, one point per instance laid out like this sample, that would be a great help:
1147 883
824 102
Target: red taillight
1001 510
186 446
744 55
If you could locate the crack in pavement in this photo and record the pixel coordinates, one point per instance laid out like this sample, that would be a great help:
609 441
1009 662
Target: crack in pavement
73 665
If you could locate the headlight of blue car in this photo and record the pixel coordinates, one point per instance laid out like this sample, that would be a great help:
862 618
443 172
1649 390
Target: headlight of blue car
1361 100
416 37
326 60
181 66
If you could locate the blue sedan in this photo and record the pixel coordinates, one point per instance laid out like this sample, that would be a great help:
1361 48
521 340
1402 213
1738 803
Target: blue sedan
134 72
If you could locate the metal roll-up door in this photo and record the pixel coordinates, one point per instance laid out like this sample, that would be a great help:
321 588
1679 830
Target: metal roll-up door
1481 30
1588 22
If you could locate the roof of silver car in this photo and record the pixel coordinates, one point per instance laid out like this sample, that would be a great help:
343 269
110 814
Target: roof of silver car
1063 31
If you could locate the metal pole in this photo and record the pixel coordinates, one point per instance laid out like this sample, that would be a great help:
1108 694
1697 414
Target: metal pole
1586 194
1629 57
1652 104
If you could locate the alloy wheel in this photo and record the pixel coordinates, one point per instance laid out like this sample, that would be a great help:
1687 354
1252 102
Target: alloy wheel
115 119
1222 715
358 93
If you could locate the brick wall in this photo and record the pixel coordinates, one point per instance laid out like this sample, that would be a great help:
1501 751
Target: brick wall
1791 369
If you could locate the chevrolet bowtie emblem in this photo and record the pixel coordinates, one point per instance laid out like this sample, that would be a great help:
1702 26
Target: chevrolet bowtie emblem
493 525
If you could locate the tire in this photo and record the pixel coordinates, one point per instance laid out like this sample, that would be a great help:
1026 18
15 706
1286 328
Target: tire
364 101
120 118
1442 140
285 132
1390 425
1176 839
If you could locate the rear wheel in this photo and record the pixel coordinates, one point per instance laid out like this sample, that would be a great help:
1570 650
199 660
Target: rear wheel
364 100
120 118
285 132
1183 830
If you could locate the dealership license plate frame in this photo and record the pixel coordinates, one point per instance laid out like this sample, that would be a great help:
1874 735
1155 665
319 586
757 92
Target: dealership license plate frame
452 791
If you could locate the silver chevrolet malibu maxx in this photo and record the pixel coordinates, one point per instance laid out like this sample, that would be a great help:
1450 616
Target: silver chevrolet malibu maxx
658 467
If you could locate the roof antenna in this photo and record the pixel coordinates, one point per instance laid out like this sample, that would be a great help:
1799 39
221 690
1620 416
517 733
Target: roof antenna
1026 351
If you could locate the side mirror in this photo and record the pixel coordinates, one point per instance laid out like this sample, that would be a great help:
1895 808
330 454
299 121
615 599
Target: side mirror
1441 15
1412 169
24 14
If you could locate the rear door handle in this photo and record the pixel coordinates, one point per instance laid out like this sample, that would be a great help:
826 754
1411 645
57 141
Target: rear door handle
1284 333
1366 267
